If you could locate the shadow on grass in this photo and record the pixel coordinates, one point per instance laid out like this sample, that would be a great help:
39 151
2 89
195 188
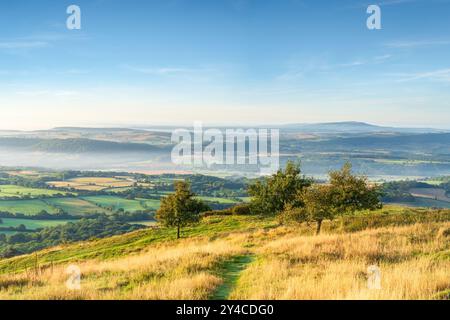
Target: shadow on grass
230 272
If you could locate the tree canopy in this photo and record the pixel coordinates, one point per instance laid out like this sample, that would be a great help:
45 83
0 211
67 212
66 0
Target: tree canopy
180 208
345 193
272 194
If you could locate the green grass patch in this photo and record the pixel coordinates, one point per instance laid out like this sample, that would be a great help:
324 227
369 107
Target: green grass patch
75 206
425 203
115 203
133 242
9 191
151 204
230 272
218 200
27 207
31 224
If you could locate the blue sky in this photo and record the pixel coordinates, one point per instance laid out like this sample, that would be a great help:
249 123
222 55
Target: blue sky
227 61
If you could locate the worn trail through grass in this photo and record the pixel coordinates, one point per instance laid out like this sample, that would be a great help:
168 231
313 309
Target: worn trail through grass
231 271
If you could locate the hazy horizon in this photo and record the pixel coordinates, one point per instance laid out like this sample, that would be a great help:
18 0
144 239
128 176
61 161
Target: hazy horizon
233 61
150 126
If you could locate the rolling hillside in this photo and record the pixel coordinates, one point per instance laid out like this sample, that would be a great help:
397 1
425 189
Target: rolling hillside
246 257
74 145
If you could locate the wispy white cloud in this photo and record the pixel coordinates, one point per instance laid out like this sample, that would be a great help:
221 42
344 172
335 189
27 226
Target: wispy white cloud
383 3
418 43
166 71
39 93
395 2
383 57
200 74
442 75
353 63
387 3
11 45
297 72
36 41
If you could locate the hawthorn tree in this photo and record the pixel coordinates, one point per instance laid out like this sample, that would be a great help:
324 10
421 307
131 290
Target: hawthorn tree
180 208
344 194
272 194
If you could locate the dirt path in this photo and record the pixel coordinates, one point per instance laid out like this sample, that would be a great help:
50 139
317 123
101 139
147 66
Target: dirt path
230 275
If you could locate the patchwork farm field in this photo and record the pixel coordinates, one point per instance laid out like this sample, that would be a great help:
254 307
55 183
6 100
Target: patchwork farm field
425 203
115 203
29 224
93 183
430 193
27 207
151 204
9 191
75 206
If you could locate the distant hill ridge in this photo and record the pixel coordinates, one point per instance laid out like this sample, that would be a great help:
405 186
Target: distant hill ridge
354 127
74 145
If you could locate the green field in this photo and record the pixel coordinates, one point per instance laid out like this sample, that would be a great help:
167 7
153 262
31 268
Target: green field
9 191
29 224
27 207
75 206
148 223
117 190
151 204
218 200
115 203
245 199
426 203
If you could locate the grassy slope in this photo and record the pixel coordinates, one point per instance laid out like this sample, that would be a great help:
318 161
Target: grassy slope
133 242
152 264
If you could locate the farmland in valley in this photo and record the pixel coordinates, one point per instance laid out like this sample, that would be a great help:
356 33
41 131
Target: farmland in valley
93 183
26 207
430 193
115 203
10 191
75 206
29 224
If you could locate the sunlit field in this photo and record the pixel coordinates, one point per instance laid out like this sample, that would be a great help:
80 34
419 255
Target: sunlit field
237 257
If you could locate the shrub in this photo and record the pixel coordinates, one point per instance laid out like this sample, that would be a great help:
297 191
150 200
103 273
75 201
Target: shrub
241 210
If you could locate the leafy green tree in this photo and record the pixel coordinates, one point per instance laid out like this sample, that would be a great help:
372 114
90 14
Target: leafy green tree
345 194
180 208
317 206
352 193
274 193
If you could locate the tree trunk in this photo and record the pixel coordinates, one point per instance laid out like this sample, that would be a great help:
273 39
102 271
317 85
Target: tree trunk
178 231
319 225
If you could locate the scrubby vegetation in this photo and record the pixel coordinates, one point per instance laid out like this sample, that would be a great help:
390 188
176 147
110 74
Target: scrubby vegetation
275 261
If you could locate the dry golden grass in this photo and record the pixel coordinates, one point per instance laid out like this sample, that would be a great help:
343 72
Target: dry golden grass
413 260
184 270
336 266
93 183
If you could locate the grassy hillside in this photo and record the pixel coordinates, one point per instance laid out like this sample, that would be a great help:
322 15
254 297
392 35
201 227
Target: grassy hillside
250 258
